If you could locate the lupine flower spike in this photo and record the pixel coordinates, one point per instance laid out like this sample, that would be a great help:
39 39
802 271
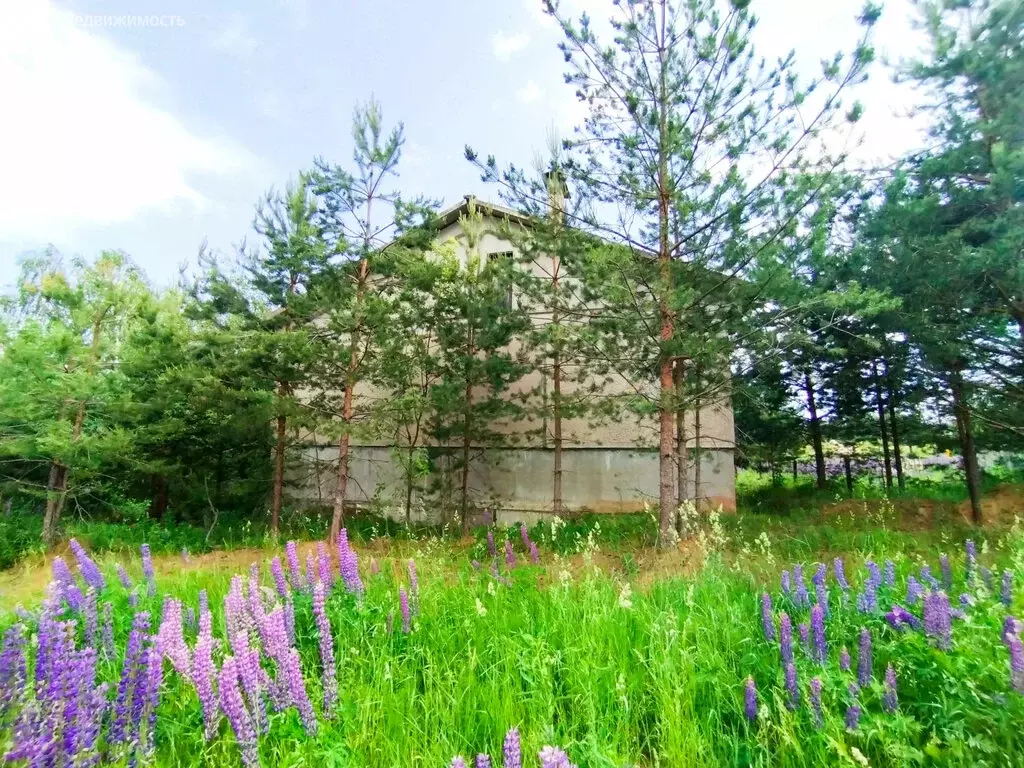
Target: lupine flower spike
750 700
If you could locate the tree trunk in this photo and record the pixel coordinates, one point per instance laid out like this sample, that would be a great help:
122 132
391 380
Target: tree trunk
556 401
275 505
467 432
341 486
897 452
849 474
158 504
819 452
54 502
880 405
965 431
682 455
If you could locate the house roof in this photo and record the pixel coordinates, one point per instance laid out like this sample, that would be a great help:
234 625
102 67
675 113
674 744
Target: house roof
451 214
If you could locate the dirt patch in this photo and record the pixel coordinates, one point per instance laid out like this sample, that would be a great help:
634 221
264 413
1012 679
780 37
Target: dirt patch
999 507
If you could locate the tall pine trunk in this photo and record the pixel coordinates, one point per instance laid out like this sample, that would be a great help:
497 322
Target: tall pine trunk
965 431
275 506
556 380
897 453
698 457
682 455
815 425
880 407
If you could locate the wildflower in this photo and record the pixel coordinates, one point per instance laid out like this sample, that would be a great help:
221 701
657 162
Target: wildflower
291 552
947 571
864 658
986 578
966 600
1010 628
852 717
1016 664
414 586
290 668
525 535
624 597
874 575
89 613
348 564
512 749
280 582
13 669
130 688
90 573
844 660
374 567
458 762
147 569
820 649
1006 591
534 553
821 596
552 757
767 622
324 574
203 672
859 757
785 582
927 578
914 590
173 638
805 635
493 550
890 701
67 588
801 596
389 623
481 609
786 638
323 626
899 617
247 662
750 700
310 571
791 686
820 574
889 575
122 575
510 556
483 761
937 619
234 707
403 603
107 630
816 701
840 574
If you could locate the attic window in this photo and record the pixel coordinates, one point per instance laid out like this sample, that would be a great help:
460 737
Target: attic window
494 256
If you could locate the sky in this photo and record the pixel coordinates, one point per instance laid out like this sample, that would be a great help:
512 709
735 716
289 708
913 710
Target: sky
153 126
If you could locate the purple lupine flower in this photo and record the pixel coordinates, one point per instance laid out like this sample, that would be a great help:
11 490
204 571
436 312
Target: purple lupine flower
280 582
816 702
784 582
750 700
205 618
899 617
534 553
124 578
786 638
324 560
130 685
938 619
147 569
889 574
510 556
236 614
805 635
65 581
987 580
927 578
289 619
291 552
297 690
1016 648
553 757
971 552
867 600
874 574
374 567
348 564
1010 628
821 596
107 631
801 596
414 586
513 750
458 762
525 535
820 574
13 669
819 647
852 717
310 571
966 600
90 723
840 574
947 571
890 699
844 660
190 618
92 619
767 623
490 544
914 590
172 637
151 698
403 603
330 676
247 662
792 687
203 672
483 761
90 573
864 657
233 705
1006 590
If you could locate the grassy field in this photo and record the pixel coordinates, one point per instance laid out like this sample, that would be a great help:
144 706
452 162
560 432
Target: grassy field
617 653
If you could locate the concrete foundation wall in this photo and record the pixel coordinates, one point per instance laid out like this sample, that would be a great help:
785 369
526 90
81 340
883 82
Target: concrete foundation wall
516 482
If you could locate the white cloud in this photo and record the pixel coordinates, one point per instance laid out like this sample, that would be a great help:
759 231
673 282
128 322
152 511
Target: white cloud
507 45
235 38
81 145
529 93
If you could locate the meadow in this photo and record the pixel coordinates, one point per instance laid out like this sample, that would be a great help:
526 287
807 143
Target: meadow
864 637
